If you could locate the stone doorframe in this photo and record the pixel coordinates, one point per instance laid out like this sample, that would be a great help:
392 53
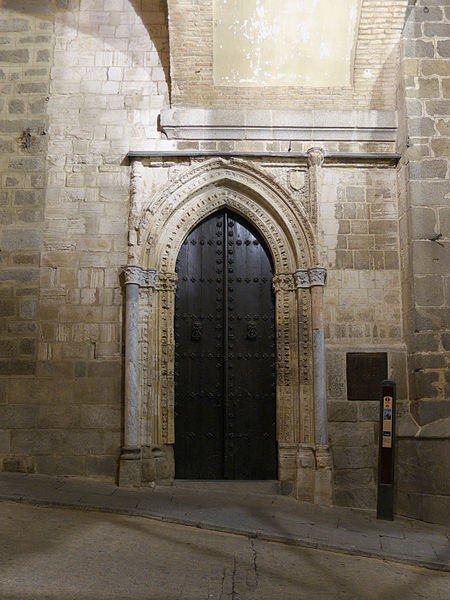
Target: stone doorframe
158 224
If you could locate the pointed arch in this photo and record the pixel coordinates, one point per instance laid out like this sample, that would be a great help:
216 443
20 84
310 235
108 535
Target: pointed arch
169 216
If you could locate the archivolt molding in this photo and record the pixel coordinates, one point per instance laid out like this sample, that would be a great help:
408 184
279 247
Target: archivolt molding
169 215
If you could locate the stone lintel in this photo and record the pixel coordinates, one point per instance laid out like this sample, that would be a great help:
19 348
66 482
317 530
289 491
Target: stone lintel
245 124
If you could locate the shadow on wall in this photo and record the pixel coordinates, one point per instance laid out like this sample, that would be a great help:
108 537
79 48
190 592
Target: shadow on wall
153 14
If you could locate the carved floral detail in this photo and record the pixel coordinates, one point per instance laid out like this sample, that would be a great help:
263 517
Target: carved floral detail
142 277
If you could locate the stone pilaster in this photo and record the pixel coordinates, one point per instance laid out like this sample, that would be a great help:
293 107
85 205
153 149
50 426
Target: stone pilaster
130 459
314 461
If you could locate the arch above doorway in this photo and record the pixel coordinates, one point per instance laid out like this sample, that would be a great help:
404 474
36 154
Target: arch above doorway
161 217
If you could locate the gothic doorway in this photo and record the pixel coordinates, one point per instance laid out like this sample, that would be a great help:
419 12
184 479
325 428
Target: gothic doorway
225 403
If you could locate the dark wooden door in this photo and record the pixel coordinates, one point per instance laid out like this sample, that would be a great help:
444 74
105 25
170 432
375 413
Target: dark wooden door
225 353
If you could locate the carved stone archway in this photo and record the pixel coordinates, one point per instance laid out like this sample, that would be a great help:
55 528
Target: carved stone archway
159 223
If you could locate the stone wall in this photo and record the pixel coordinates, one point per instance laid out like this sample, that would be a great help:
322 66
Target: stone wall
424 192
88 78
374 74
26 45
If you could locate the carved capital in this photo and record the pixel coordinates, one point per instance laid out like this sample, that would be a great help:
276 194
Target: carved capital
167 282
317 276
301 278
315 157
142 277
323 457
283 283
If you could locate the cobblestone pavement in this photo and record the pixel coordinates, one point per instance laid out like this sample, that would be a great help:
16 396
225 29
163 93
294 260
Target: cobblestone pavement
64 554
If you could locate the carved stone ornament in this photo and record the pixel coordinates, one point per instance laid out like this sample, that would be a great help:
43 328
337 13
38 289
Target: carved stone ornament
315 157
296 179
317 275
302 278
284 282
142 277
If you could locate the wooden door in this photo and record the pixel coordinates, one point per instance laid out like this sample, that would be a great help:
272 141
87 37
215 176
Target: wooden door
225 353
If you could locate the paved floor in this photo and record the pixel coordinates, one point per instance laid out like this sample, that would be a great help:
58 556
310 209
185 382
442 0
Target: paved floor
257 515
49 553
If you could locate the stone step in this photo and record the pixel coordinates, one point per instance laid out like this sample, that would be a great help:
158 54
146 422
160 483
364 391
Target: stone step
231 486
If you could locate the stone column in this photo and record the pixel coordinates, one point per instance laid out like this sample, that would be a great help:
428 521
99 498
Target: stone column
317 276
314 279
130 458
323 482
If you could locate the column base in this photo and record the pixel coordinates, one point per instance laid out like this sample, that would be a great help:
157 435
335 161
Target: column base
130 467
323 485
314 481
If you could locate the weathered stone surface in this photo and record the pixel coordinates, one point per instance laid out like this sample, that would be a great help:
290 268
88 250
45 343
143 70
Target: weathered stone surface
443 48
341 411
428 169
349 434
427 411
357 497
437 429
19 55
420 468
348 478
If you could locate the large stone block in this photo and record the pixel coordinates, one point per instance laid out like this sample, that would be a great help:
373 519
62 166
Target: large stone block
17 367
100 417
348 478
427 411
443 48
429 290
61 465
430 258
426 384
350 434
97 390
35 443
30 7
420 468
5 442
20 238
441 146
433 319
357 497
19 55
359 457
428 169
80 442
341 411
58 416
423 222
17 416
101 467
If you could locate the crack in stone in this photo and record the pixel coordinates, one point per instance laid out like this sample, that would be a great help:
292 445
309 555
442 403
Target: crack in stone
234 594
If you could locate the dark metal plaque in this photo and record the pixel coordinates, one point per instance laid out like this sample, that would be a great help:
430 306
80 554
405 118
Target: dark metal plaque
225 353
365 372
